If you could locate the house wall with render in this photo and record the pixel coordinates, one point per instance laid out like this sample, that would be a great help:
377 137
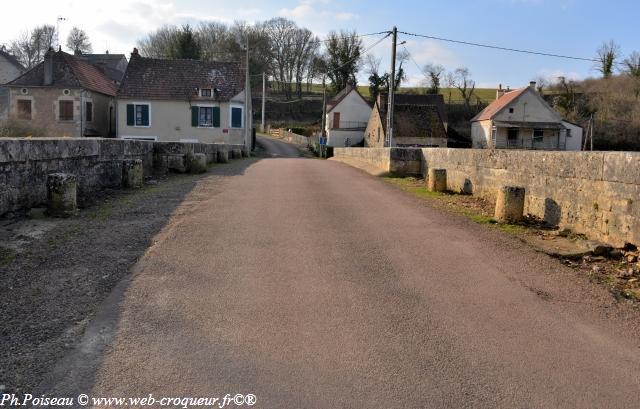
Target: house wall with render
170 121
354 113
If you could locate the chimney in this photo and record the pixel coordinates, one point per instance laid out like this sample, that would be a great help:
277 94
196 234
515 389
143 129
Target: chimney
500 92
532 85
135 54
48 67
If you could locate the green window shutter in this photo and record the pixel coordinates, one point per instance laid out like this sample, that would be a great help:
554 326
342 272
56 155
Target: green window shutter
145 115
216 117
130 115
236 117
195 111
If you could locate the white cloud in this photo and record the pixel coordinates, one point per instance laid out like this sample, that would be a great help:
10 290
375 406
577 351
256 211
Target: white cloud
307 9
554 74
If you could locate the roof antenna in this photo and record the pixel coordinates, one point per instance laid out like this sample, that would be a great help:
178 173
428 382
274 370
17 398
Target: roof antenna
60 18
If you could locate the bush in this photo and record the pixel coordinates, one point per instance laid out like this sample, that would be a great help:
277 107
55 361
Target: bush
13 129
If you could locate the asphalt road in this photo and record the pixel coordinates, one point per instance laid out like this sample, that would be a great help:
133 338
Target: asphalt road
313 285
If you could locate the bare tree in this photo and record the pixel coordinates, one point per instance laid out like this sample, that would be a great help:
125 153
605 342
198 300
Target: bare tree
632 69
78 41
344 51
465 84
159 43
607 55
450 81
31 46
541 83
434 73
401 57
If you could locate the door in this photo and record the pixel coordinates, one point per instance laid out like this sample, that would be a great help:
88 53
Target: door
336 120
512 137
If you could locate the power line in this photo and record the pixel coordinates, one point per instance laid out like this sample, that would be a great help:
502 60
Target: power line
495 47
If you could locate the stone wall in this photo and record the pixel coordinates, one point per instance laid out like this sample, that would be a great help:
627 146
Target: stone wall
25 164
594 193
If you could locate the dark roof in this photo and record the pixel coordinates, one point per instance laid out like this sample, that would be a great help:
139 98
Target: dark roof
68 72
433 100
152 78
415 121
113 65
13 60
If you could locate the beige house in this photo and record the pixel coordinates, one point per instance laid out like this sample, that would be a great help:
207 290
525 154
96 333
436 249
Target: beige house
347 116
63 96
419 121
182 101
522 119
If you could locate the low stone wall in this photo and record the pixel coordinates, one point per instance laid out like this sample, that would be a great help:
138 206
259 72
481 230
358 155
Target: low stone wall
97 163
291 137
594 193
400 161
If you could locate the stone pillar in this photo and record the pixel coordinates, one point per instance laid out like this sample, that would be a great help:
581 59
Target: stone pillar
62 196
223 155
237 153
197 162
132 173
246 153
177 162
160 164
437 181
510 204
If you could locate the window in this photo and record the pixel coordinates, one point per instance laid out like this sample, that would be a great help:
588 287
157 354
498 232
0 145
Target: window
205 92
336 120
24 109
568 133
65 111
494 135
512 134
511 110
138 115
88 111
236 117
538 135
205 117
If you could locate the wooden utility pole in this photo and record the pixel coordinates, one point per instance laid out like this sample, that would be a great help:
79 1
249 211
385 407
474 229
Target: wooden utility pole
392 80
323 133
247 103
264 96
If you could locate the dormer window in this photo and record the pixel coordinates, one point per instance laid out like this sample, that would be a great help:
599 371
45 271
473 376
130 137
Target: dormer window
205 92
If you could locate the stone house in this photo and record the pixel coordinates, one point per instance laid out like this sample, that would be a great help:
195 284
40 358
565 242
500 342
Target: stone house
182 101
346 118
64 96
419 121
522 119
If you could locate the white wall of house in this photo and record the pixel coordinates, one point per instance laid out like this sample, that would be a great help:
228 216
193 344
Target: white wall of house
354 112
573 136
529 107
170 121
481 134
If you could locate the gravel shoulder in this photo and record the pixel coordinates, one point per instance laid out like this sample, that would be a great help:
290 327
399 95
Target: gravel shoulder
55 273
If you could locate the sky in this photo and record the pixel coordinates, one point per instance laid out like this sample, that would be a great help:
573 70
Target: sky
567 27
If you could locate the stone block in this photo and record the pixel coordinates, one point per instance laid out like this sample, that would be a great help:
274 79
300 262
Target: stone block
437 180
197 162
236 153
62 195
177 163
223 156
132 173
510 204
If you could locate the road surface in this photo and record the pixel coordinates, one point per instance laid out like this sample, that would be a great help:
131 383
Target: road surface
310 284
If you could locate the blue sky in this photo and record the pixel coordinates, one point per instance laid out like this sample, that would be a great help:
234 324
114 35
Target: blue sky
571 27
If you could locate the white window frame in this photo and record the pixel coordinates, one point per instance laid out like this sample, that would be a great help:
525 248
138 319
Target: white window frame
138 137
206 96
231 106
207 106
134 113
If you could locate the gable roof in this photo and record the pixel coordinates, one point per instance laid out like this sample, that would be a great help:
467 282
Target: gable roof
13 60
68 72
337 99
412 120
152 78
507 98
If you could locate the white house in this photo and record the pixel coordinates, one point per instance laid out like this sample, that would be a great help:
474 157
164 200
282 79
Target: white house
522 119
347 116
182 101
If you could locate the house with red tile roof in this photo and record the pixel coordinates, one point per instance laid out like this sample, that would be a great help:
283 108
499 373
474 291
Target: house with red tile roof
522 119
347 116
64 96
182 100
